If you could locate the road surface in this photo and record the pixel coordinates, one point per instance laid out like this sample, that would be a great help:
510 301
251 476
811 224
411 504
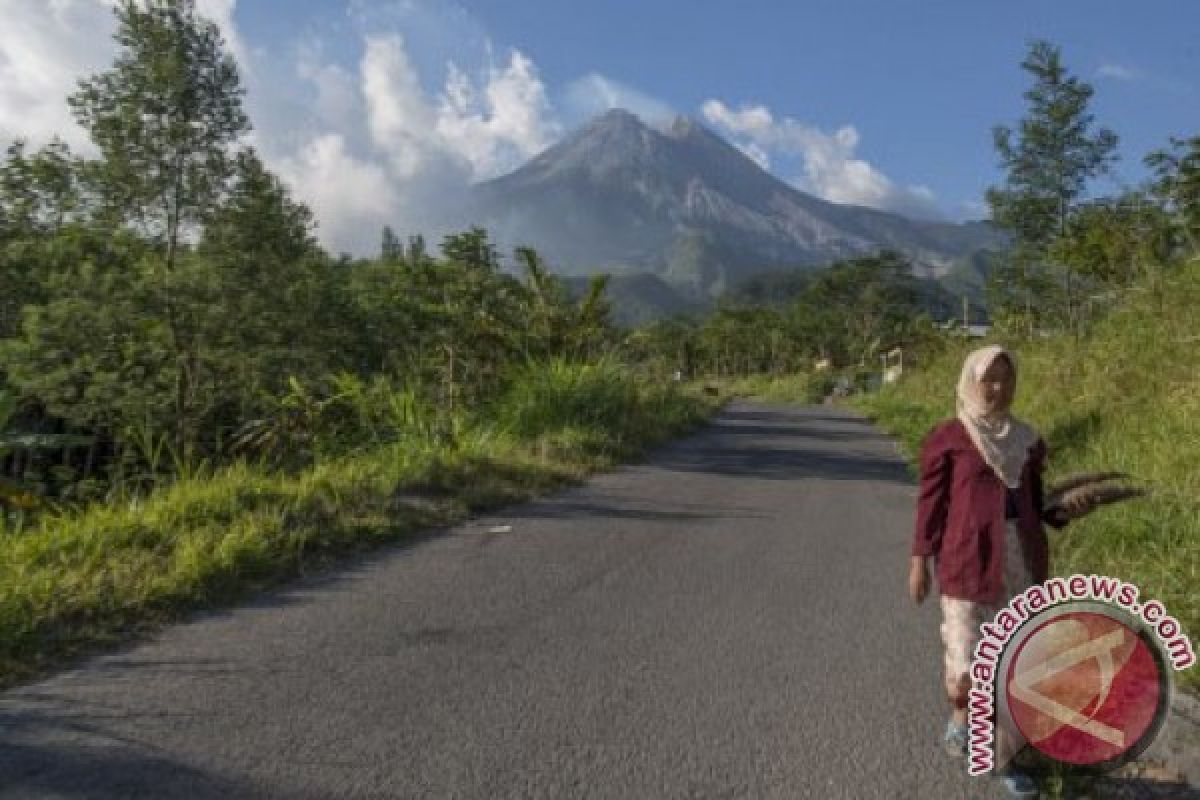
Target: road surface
727 619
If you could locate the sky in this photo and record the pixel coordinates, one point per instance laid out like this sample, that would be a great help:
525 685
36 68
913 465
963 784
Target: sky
384 111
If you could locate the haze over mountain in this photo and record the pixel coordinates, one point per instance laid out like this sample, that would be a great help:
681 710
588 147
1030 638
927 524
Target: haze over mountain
691 209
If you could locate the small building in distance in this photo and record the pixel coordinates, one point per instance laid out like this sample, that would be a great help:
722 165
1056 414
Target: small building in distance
973 331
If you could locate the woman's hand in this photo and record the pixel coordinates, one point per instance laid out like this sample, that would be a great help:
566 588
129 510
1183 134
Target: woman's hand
1076 505
1071 508
918 579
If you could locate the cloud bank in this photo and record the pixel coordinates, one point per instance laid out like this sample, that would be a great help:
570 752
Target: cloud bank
829 167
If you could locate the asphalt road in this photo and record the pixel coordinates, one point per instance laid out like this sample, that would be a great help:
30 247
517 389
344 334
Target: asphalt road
727 619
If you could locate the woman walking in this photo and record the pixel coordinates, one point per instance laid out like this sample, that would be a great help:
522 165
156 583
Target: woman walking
979 516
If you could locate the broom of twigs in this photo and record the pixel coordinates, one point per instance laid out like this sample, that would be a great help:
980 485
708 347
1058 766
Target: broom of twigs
1094 488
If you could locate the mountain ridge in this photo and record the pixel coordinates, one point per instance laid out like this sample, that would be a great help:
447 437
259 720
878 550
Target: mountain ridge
684 204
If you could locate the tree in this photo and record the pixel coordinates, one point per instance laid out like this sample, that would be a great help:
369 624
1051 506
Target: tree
1177 184
592 327
164 118
391 251
94 353
1114 241
261 287
39 193
417 257
548 317
471 249
862 305
1048 160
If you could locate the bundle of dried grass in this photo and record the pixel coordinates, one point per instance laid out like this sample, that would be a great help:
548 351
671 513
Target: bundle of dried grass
1090 490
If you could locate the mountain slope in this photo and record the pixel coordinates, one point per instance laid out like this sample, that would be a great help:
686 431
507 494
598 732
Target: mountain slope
689 207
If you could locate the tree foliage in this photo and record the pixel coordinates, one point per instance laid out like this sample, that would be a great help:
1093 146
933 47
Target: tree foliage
165 118
849 312
1048 160
1177 187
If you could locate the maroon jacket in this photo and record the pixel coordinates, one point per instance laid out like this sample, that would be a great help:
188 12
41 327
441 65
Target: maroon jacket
960 515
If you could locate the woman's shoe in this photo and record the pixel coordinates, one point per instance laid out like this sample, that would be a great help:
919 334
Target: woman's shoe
955 739
1018 783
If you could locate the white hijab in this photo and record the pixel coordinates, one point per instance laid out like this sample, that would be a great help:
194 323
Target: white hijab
1002 439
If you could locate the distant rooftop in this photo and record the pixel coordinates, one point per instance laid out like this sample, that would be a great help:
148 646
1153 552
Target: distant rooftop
974 331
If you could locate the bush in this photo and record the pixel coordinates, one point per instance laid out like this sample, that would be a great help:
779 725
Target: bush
559 394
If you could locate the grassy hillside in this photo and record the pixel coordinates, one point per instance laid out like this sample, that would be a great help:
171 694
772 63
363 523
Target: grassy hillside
1124 396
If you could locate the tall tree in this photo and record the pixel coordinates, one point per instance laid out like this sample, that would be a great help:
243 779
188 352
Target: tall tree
165 118
471 249
1048 161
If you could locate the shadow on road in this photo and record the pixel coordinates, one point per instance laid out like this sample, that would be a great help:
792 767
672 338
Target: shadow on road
619 509
789 464
788 443
49 757
799 430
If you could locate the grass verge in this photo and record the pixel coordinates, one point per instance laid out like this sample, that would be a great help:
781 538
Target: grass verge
76 583
797 387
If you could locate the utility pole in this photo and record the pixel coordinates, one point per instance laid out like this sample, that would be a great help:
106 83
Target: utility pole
966 317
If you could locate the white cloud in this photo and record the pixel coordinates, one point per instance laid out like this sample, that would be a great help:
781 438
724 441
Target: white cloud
500 126
45 48
1118 72
594 94
364 144
974 210
830 169
348 196
755 153
399 117
754 121
387 137
337 97
412 154
221 12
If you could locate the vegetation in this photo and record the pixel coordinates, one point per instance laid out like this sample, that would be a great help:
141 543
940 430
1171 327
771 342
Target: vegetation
195 399
1048 163
170 304
849 313
797 387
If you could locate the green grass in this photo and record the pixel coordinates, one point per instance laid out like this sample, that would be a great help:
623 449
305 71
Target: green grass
797 387
1124 396
74 583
